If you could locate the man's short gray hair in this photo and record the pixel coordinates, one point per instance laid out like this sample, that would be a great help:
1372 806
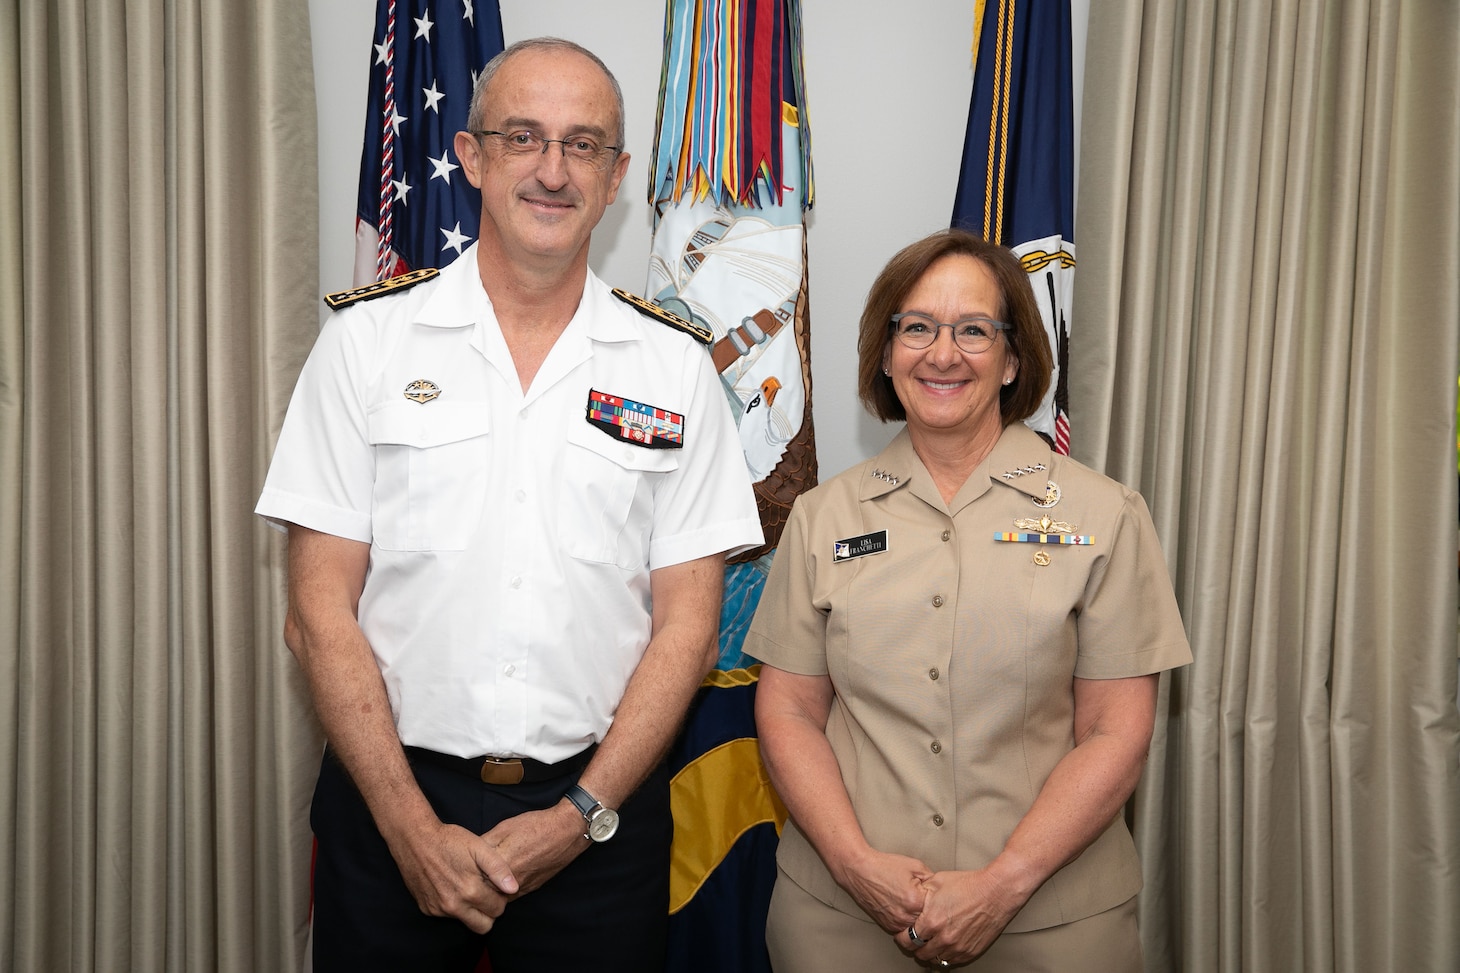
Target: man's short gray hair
475 120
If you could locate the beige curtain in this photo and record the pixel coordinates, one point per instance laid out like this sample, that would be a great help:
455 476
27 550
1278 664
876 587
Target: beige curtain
158 287
1269 310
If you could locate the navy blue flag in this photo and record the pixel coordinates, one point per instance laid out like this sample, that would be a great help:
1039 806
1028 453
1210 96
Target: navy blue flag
1017 184
415 208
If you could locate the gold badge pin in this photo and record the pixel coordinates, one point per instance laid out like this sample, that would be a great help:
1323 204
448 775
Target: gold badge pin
1044 525
422 390
1044 530
1042 558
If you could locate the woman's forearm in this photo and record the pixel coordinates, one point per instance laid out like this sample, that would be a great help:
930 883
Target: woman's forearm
1087 788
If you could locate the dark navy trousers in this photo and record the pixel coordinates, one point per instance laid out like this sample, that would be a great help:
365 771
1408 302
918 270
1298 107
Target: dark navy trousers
606 911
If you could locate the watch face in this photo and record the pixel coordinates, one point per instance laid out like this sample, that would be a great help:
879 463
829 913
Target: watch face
603 824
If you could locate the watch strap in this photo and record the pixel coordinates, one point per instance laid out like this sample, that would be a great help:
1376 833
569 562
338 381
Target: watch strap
583 801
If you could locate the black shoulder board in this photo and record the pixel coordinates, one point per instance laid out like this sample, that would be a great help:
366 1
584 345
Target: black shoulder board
380 288
701 334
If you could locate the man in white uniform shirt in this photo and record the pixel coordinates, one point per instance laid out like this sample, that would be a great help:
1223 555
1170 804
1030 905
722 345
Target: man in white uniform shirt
508 496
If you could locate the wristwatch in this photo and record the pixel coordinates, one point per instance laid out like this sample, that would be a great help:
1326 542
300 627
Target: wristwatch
602 821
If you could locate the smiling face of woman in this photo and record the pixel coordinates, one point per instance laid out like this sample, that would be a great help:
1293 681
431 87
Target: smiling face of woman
946 391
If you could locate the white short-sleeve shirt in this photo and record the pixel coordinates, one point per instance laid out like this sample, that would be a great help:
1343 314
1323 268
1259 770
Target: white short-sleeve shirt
511 538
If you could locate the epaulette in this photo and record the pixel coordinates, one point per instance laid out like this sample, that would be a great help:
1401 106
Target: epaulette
380 288
698 332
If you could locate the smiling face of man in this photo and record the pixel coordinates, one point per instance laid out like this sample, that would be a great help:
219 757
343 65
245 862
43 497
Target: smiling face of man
539 208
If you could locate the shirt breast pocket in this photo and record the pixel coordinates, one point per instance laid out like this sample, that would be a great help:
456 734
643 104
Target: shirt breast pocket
607 514
430 473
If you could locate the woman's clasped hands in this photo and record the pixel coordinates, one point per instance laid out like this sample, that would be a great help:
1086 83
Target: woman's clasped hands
960 916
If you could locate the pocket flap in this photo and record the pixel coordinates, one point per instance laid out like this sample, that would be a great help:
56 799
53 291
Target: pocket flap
425 425
622 452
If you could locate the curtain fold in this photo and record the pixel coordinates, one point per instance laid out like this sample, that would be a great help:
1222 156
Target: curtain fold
1270 239
12 344
156 744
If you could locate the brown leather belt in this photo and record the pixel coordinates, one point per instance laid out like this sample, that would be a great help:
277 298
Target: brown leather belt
504 770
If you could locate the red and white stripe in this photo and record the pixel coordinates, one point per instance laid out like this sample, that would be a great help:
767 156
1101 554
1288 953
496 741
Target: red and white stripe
383 257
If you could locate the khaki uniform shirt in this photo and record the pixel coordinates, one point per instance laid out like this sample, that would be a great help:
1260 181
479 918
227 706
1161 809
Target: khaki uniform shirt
952 653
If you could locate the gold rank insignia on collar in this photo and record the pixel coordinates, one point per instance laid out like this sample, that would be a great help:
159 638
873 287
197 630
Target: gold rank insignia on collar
649 309
380 288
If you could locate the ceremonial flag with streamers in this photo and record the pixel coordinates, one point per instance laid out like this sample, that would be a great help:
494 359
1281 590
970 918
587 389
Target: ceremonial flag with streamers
730 185
1017 183
415 207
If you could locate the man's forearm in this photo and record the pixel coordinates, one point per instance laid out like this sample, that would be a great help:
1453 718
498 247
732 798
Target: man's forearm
326 575
351 703
450 871
680 652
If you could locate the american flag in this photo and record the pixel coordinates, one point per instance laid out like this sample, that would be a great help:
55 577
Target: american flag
415 208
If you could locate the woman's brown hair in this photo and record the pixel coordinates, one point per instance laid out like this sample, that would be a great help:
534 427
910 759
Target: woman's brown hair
1026 336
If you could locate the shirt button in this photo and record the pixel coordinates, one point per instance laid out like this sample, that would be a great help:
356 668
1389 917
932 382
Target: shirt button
516 582
936 747
947 534
508 669
933 673
937 601
938 820
521 495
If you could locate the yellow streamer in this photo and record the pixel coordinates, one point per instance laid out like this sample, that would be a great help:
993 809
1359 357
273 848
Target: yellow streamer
725 792
731 678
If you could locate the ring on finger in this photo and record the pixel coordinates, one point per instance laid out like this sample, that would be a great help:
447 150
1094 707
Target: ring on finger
912 934
942 962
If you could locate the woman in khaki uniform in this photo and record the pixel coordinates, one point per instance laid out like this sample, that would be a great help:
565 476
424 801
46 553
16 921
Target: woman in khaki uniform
962 639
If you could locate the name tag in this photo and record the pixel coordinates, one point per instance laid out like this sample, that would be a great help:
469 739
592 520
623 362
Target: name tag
860 546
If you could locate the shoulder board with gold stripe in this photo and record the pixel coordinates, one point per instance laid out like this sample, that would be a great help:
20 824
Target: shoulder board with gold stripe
380 288
699 333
